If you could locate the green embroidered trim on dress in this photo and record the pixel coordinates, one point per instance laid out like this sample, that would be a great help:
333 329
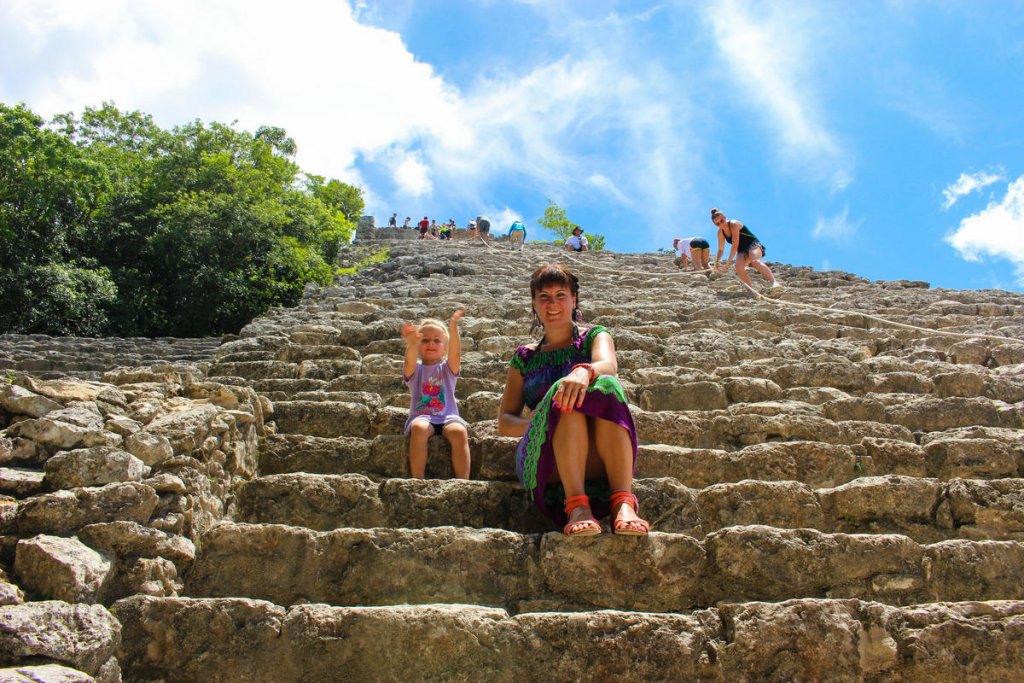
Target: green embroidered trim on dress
558 356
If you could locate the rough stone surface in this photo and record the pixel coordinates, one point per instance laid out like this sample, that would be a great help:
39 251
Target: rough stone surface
85 637
861 479
93 467
61 568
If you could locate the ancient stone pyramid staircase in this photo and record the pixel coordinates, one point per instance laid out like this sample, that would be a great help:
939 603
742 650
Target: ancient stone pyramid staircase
833 499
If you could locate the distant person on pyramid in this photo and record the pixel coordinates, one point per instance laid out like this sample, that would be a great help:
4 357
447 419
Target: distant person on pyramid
431 377
424 226
695 250
745 248
393 221
483 226
577 448
577 241
517 235
407 223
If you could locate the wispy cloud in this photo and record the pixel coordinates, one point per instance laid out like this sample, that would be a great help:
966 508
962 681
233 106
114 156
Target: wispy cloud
997 231
838 228
968 183
770 56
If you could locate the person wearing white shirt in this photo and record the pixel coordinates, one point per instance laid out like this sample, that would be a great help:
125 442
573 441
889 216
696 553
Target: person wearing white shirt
577 242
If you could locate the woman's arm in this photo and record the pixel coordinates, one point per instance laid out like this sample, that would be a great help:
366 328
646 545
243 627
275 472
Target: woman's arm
573 387
510 413
455 342
734 228
721 247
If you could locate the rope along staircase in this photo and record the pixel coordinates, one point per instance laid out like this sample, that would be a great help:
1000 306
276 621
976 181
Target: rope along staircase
832 498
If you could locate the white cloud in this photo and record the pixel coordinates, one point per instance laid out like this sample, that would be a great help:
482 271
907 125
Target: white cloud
968 183
838 228
997 231
769 57
412 176
340 88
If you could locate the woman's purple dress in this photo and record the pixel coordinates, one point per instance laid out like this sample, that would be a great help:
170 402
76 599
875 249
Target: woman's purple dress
542 371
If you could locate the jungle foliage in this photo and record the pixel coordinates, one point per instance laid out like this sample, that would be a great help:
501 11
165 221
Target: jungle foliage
111 225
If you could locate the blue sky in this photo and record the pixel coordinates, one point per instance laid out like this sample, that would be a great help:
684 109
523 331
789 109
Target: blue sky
882 138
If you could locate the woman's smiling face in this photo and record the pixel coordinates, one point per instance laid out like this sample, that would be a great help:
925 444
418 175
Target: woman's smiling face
554 305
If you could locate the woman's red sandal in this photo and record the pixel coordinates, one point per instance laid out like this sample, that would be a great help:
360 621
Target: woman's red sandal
630 527
584 527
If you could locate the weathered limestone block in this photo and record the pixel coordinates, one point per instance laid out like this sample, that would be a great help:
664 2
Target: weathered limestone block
980 641
372 566
863 409
987 509
123 425
479 504
881 504
322 418
962 384
151 449
804 640
611 646
390 420
61 568
877 456
751 390
85 637
64 512
20 482
132 540
970 459
813 463
93 467
765 563
900 382
320 502
18 400
682 396
481 405
44 673
186 429
328 369
938 414
281 453
53 433
259 369
10 594
787 504
974 570
664 573
845 376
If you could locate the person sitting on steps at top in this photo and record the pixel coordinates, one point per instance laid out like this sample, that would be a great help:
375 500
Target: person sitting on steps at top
577 242
745 247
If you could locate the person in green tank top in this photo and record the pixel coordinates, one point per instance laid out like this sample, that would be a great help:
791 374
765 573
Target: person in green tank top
744 247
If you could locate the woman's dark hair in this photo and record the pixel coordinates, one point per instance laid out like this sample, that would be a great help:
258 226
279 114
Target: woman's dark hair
555 274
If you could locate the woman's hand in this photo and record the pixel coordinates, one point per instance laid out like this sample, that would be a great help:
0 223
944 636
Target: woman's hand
573 389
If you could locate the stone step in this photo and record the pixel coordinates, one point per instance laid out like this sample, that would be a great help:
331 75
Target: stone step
819 465
835 640
925 510
662 572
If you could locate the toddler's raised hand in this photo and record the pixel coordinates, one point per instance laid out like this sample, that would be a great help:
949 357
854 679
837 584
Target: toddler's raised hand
458 315
410 334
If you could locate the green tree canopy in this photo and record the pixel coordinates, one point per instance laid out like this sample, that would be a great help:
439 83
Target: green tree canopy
188 231
557 221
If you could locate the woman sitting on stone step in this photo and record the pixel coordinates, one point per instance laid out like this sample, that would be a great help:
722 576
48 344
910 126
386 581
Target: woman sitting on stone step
580 437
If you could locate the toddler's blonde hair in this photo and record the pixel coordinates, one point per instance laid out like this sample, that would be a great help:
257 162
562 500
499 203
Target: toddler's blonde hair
434 322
